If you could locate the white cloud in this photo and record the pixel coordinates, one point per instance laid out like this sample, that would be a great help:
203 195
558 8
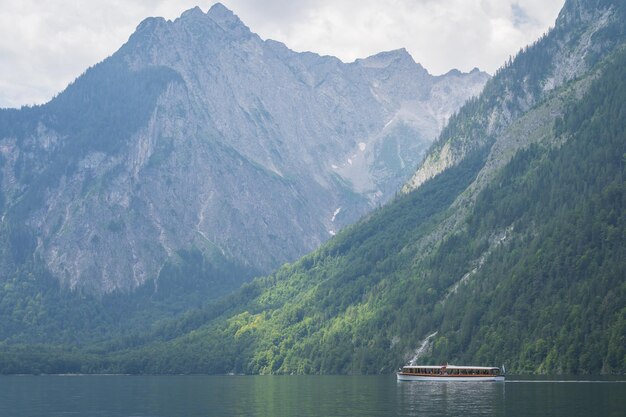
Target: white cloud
45 45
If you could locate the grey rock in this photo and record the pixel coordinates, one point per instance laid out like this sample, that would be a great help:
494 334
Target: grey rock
569 50
253 153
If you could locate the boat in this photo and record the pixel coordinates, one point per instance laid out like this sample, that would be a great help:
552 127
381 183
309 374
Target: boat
450 373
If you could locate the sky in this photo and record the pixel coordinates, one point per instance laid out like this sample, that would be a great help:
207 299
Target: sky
45 45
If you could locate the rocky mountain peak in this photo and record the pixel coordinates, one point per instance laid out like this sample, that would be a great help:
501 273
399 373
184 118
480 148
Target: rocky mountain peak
398 58
475 72
226 19
149 25
574 11
217 18
195 12
243 150
219 12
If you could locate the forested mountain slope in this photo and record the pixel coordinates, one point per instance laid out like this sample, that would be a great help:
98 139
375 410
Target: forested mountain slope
515 259
513 254
534 278
584 32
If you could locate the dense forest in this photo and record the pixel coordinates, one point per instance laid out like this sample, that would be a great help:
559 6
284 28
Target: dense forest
552 299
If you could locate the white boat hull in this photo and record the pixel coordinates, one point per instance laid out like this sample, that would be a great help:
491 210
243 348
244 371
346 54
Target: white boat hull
450 378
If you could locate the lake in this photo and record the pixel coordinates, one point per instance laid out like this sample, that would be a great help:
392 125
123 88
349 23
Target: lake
304 396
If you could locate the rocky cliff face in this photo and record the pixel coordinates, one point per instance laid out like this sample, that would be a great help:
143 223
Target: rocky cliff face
583 33
198 134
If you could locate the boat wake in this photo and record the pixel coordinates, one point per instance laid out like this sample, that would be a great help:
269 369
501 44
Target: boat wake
562 381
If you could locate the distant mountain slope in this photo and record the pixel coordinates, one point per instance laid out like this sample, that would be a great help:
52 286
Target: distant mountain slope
584 32
514 254
199 137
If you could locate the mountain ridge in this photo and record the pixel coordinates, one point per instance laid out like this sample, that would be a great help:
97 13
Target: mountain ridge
203 121
576 24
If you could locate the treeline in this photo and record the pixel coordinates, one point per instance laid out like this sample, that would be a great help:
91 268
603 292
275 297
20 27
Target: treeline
36 309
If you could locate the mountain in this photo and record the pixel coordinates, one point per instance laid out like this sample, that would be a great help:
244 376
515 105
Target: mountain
200 146
512 253
583 32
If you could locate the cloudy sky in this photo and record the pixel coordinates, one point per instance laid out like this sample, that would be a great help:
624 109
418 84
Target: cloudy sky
44 45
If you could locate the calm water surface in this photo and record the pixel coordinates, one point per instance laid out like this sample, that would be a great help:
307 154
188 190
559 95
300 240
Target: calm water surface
303 396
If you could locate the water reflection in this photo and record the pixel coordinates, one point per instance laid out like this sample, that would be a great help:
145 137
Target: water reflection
302 396
451 398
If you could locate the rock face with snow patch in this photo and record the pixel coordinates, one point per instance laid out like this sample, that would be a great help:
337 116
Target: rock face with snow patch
197 134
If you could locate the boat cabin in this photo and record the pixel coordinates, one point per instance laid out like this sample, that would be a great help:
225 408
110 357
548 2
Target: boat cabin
450 370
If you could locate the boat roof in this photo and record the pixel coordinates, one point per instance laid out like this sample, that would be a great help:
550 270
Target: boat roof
450 367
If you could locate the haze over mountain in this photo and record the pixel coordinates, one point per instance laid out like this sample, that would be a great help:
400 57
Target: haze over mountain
198 137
